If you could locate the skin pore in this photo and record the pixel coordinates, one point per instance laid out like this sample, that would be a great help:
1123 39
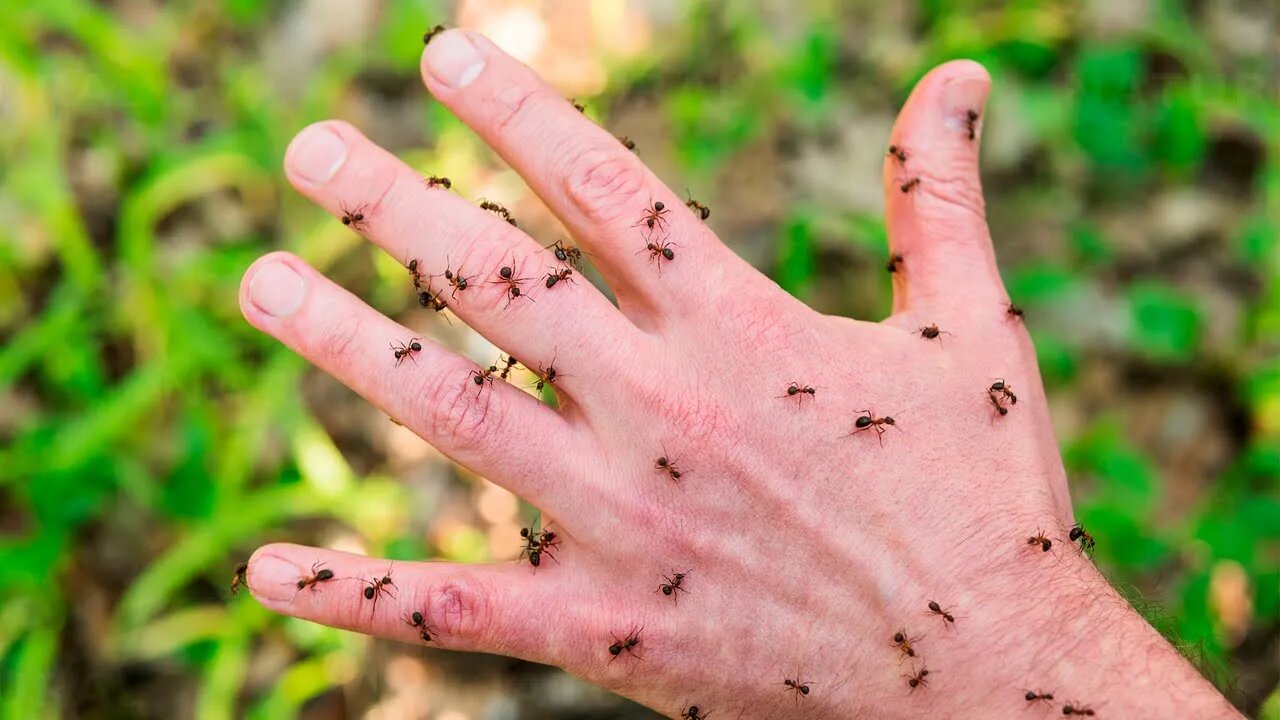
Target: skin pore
808 538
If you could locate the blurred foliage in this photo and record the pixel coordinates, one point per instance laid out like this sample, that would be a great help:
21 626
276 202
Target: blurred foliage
151 438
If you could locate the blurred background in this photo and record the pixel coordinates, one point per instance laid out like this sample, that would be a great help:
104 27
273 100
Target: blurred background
150 439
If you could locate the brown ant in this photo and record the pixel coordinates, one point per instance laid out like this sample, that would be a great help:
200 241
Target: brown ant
578 106
497 209
947 618
797 686
1039 539
318 575
702 211
506 276
654 216
906 643
909 185
995 402
353 218
971 120
692 714
511 362
437 181
867 420
429 35
931 332
480 376
673 585
669 466
895 262
1014 311
565 254
562 274
537 544
798 391
240 578
378 587
627 142
917 679
628 644
658 251
1078 534
416 620
427 300
414 273
897 152
1032 696
459 282
403 351
547 376
1075 708
1005 389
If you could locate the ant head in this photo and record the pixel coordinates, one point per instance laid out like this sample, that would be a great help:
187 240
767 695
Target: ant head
889 421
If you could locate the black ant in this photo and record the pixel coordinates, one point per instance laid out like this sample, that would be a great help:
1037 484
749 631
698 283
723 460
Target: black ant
480 376
565 254
414 273
702 211
999 406
947 617
537 544
692 714
658 251
867 420
971 120
673 585
1014 311
1078 534
669 466
240 578
498 210
1039 539
578 106
895 262
562 274
511 362
506 276
931 332
1005 389
917 679
378 587
909 185
427 300
437 181
429 35
899 153
318 575
416 620
798 391
1075 708
797 686
1033 696
627 142
654 216
403 351
906 643
628 644
459 282
547 376
353 218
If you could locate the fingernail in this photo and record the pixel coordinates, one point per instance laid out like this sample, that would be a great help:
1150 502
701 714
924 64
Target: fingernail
316 154
453 59
959 98
273 579
276 289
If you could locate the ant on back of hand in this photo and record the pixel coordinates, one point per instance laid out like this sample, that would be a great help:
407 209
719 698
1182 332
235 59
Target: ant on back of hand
1044 697
1040 539
798 391
931 332
1085 539
1005 389
906 643
692 714
867 420
353 217
673 585
628 644
947 618
403 351
797 686
537 544
1075 708
240 577
417 621
668 466
917 679
318 575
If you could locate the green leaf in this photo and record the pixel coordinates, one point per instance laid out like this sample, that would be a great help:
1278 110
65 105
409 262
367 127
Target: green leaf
1166 325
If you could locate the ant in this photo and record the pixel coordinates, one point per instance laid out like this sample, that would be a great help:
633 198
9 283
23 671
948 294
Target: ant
420 623
353 218
909 185
437 181
1075 708
1085 539
899 153
917 679
1032 696
536 544
1014 311
658 251
798 391
627 142
895 262
511 362
946 615
240 578
506 276
654 216
426 300
673 585
868 420
702 211
1039 539
548 376
318 576
906 643
692 714
930 332
578 106
570 255
457 280
995 401
669 465
797 686
429 35
403 351
480 376
628 643
414 273
498 210
1005 389
971 120
562 274
378 587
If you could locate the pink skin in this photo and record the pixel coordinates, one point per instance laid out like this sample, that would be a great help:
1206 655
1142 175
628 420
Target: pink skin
809 546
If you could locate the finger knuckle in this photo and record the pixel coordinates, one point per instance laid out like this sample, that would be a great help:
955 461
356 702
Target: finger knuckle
459 415
603 181
463 609
512 106
338 340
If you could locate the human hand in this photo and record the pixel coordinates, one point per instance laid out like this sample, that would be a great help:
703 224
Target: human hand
809 540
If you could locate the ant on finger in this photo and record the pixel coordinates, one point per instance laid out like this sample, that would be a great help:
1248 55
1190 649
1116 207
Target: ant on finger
999 406
547 376
673 585
510 363
562 274
565 254
430 35
1039 539
318 575
692 714
627 644
971 121
578 106
537 544
377 588
702 211
1014 311
917 679
506 276
403 351
353 218
1085 539
1075 708
240 577
797 686
418 622
932 332
499 210
895 262
898 153
659 251
909 185
906 643
654 217
427 300
414 273
459 281
798 391
627 142
480 376
1044 697
867 420
1005 389
947 618
437 181
668 466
